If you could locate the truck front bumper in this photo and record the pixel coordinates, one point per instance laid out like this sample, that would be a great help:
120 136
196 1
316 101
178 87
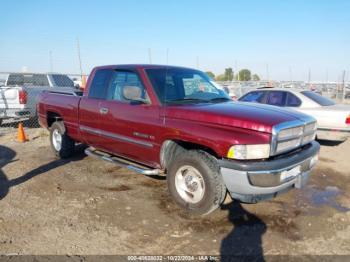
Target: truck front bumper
254 181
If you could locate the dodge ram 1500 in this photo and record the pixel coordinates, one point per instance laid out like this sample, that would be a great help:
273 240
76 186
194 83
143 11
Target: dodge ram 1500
173 121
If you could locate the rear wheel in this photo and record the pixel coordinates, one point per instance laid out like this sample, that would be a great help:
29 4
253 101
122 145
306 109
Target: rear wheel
195 182
61 144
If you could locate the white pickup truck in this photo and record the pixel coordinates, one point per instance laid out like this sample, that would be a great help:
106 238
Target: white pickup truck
18 95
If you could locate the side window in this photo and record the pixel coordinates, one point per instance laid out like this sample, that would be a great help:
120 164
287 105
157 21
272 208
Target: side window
293 100
126 86
277 98
255 96
99 84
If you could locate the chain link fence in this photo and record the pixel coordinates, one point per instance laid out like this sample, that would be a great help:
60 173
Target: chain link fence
19 92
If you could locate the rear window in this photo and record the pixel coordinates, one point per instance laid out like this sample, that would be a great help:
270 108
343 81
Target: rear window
27 80
62 81
321 100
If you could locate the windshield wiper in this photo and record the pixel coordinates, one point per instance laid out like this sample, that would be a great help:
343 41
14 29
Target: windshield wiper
186 100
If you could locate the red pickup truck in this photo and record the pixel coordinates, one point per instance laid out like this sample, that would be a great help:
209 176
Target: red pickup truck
174 121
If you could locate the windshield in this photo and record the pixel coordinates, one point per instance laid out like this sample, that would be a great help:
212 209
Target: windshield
181 86
321 100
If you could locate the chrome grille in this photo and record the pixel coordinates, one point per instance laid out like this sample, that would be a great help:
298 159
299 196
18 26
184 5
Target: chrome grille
290 135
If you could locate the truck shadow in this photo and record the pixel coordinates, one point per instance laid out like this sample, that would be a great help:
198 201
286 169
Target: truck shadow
7 156
244 242
329 142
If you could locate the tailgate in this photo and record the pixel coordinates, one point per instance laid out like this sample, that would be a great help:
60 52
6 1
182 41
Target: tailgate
9 97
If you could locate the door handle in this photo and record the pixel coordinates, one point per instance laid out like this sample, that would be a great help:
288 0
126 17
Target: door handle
103 110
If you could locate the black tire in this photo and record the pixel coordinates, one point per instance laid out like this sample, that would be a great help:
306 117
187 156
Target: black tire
215 189
66 149
0 122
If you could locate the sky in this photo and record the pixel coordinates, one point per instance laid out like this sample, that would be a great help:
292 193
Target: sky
281 40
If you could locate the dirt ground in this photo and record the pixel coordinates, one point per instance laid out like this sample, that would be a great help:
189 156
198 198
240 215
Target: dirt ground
87 206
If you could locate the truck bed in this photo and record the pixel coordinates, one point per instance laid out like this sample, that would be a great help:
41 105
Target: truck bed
64 103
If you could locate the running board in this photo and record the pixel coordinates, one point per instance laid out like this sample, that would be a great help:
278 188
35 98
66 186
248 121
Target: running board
122 162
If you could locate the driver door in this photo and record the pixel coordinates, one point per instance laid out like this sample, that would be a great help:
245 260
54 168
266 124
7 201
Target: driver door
129 125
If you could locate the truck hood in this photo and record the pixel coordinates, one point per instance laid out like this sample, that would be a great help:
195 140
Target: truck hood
246 115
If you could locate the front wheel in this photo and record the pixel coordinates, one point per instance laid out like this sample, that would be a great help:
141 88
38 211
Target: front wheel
61 144
195 182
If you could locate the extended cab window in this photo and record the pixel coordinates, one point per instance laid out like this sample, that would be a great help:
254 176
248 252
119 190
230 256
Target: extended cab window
99 85
256 96
126 86
277 98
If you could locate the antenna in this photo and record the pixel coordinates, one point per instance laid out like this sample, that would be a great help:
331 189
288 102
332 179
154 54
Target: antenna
50 60
79 57
167 56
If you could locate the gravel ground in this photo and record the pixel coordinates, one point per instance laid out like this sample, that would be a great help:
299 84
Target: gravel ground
84 206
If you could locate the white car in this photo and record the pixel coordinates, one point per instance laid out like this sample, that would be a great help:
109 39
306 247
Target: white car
333 119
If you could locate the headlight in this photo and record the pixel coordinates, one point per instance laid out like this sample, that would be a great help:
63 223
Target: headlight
249 151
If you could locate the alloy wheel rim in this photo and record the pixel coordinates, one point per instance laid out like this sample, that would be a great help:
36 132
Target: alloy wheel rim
189 184
57 140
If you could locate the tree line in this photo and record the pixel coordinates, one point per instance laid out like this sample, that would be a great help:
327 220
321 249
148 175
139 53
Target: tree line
228 75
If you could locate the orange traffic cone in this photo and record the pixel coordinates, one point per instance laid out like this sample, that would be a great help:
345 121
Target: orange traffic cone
21 135
83 82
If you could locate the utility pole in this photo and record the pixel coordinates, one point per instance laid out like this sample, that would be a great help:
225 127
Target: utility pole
309 77
343 86
79 57
267 73
197 62
290 74
236 69
50 60
150 55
